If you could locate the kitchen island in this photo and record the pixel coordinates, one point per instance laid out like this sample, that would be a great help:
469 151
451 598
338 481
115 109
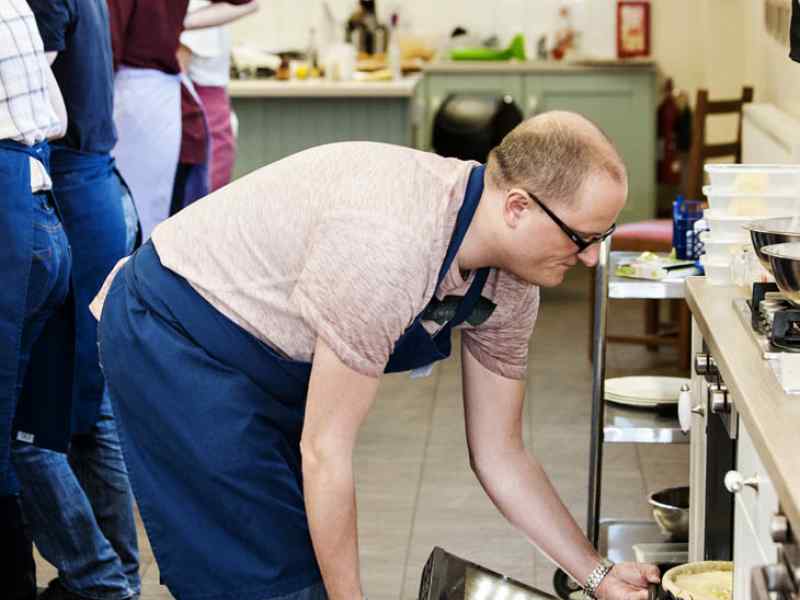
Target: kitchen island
279 118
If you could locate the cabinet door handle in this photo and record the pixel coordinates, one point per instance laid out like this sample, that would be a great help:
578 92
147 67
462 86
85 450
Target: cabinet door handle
685 409
735 483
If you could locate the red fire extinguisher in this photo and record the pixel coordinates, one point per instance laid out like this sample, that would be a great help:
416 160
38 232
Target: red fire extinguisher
668 167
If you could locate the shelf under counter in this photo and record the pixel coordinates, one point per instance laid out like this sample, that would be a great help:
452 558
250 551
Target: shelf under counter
633 425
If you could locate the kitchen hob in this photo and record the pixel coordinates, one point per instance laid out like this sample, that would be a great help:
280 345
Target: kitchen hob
775 326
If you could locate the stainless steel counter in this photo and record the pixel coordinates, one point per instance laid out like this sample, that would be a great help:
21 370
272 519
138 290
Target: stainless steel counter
772 417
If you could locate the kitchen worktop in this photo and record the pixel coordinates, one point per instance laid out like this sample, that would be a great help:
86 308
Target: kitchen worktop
321 88
534 66
772 417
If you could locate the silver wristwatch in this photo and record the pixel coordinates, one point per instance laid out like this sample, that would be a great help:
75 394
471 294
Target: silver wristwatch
596 577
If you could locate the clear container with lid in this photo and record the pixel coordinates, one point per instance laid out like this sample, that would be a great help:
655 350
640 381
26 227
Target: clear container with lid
753 204
754 178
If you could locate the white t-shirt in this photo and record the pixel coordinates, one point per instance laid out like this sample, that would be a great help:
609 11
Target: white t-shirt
211 52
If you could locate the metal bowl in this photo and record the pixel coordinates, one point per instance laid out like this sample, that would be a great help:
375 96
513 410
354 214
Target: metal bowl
767 232
784 261
671 512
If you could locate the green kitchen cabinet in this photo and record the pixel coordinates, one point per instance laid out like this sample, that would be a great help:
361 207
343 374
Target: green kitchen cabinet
619 98
271 128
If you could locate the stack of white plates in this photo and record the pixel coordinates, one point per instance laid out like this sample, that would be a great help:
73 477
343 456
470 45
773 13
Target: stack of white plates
644 391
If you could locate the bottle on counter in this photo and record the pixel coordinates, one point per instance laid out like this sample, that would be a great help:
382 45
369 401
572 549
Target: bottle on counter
393 54
312 54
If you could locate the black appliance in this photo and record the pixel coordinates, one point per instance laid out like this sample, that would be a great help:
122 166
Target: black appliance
468 126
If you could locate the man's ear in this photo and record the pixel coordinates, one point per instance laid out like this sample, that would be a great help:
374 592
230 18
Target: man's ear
515 205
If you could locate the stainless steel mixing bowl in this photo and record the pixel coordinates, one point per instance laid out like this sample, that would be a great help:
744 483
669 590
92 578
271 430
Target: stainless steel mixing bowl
784 263
766 232
671 512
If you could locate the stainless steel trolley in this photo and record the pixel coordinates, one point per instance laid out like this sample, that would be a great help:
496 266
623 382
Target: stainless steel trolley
614 538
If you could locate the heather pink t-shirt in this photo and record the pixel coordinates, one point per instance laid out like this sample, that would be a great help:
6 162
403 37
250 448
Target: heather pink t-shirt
345 242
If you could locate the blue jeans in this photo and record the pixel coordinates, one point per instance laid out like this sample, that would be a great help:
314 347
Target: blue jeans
80 505
47 287
48 284
80 510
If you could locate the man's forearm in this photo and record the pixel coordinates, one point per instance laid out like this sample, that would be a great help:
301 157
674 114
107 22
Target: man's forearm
522 492
218 14
331 508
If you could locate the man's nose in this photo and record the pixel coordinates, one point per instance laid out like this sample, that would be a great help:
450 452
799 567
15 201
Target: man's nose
590 255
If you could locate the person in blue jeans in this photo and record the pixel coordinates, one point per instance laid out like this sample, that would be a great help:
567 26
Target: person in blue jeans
75 490
35 258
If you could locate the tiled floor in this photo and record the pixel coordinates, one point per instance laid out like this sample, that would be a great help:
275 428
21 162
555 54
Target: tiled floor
415 489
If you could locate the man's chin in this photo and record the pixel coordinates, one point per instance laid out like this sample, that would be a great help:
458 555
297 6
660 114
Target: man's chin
549 279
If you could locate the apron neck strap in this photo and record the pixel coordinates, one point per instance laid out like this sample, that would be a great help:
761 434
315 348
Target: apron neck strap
465 214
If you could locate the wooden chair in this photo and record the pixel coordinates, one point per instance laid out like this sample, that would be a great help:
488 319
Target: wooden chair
656 235
700 151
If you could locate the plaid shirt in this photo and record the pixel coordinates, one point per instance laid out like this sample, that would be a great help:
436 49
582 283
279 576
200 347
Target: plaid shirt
26 114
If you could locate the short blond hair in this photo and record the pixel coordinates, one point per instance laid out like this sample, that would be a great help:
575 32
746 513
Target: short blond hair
552 154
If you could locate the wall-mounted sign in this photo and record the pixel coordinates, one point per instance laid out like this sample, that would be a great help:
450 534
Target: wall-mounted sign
633 29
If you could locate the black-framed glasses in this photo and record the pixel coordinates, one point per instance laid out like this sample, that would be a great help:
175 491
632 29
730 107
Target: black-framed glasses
581 242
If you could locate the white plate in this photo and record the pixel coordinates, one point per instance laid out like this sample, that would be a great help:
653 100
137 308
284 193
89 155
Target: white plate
644 390
635 402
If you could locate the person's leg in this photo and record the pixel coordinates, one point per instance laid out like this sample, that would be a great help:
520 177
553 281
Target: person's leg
64 526
65 529
47 288
97 461
17 570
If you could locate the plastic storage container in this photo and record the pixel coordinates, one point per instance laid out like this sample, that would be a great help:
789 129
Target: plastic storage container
718 249
718 272
753 204
755 178
724 225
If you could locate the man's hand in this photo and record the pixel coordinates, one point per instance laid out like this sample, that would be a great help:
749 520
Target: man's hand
628 581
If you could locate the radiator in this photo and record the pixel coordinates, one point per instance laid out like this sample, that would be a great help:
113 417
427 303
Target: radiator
769 135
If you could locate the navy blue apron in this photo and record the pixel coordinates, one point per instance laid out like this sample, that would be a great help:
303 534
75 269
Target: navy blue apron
89 191
210 420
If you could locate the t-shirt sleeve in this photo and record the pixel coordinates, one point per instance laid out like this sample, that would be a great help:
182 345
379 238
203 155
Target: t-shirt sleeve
363 283
53 18
503 347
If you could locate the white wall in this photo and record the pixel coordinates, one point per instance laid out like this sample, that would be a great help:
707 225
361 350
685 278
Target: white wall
716 44
776 77
722 45
282 24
